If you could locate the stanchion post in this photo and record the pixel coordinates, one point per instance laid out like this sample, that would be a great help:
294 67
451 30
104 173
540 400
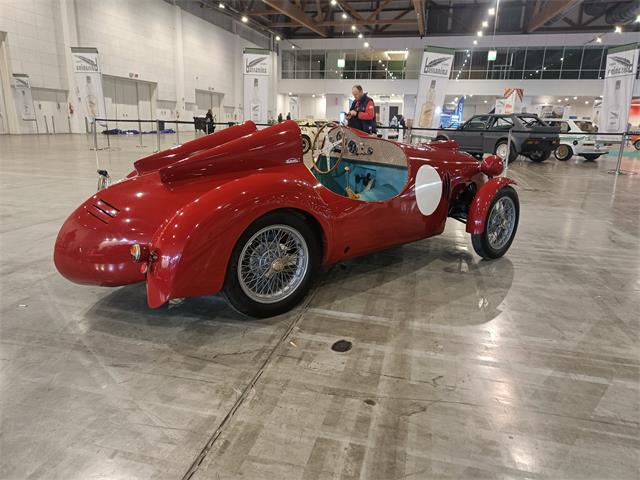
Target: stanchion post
177 133
106 125
158 134
140 133
506 160
95 135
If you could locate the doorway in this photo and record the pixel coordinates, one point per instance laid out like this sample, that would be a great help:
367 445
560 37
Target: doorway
127 99
206 100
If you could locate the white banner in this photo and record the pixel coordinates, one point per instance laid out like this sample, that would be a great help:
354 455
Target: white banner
86 66
434 76
293 108
24 99
257 76
620 75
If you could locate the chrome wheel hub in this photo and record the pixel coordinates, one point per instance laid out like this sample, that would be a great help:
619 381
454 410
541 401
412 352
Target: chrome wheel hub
273 264
501 151
501 223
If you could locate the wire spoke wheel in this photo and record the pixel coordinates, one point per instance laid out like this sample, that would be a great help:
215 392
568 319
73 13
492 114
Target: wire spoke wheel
501 223
273 263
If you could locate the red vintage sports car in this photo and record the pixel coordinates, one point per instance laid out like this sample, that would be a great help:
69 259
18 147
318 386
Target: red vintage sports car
239 212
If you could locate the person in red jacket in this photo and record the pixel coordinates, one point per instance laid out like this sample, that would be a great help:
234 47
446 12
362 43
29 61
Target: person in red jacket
362 113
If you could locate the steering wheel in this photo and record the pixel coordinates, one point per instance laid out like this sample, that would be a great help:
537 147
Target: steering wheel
327 146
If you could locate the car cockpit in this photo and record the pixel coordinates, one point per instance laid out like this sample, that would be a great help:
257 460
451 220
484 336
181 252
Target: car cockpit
366 168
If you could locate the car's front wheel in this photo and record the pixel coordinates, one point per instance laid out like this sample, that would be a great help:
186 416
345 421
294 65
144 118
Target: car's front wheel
500 225
272 265
637 145
591 156
539 155
563 153
306 144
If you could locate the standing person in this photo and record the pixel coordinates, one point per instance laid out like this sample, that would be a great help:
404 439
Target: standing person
362 113
209 121
289 116
280 118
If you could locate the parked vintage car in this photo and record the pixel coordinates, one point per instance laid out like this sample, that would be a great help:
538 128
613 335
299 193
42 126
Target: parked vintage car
489 134
308 131
238 211
574 142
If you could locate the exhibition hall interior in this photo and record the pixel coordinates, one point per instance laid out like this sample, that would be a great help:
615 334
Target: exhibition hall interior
319 239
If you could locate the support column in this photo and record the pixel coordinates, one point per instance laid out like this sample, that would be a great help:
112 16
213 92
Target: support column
181 110
13 126
69 30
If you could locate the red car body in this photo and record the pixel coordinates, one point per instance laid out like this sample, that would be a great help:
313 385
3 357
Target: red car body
190 204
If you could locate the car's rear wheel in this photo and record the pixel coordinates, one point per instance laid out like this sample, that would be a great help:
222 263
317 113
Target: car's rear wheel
539 155
500 225
637 145
501 151
306 144
272 265
591 156
563 153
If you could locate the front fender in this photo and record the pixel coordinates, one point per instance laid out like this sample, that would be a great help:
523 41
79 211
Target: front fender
477 215
193 248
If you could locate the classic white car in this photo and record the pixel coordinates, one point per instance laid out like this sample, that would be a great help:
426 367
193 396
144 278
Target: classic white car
574 142
308 130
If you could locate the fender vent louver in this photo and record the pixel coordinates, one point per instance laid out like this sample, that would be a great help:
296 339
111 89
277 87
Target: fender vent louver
102 211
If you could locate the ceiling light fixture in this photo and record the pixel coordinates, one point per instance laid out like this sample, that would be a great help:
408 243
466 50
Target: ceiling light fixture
479 33
485 24
366 44
586 102
359 35
638 19
575 98
293 46
475 42
492 11
618 29
353 27
344 15
244 19
334 2
221 5
278 38
598 39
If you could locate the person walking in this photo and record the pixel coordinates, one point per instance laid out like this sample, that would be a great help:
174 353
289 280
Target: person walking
362 113
280 118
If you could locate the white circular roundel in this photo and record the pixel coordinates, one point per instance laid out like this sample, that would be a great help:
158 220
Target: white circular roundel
428 189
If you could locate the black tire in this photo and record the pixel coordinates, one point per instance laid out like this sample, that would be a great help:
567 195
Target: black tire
233 290
513 154
481 242
563 152
539 155
441 137
306 144
591 156
637 144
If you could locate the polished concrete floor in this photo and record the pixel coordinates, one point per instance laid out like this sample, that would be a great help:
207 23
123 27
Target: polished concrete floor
524 367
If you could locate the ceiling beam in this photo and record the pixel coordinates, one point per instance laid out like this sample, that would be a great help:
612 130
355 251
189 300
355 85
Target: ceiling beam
296 14
380 7
418 6
550 10
347 24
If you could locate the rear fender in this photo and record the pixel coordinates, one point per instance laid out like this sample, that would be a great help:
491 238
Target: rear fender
477 215
194 246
